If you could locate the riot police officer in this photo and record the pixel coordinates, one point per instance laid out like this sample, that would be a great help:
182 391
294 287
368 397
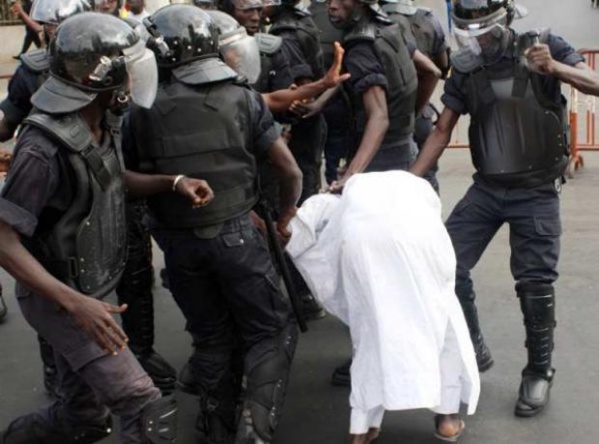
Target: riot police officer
510 85
63 234
208 123
421 26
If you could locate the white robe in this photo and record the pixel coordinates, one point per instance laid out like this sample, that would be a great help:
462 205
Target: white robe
379 258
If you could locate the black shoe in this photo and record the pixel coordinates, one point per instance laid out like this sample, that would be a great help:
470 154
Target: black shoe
34 428
484 360
341 375
311 308
157 368
3 309
534 392
186 381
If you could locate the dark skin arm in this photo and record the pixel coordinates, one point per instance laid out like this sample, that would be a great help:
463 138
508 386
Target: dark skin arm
7 130
93 316
428 77
580 76
290 183
377 123
145 185
280 101
436 142
441 61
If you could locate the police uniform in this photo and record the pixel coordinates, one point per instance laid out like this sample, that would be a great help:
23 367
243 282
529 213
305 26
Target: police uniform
376 55
219 268
302 46
39 200
275 69
423 29
519 168
337 113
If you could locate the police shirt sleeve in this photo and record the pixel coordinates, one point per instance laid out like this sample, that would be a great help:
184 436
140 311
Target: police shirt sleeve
32 180
262 125
365 68
454 94
440 43
562 51
128 146
17 104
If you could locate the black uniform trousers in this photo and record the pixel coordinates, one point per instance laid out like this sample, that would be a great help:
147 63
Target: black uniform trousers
533 216
226 287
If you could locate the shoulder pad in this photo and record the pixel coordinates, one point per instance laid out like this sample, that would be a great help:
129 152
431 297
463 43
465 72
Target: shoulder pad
366 33
68 129
283 25
301 11
465 61
37 61
241 81
268 43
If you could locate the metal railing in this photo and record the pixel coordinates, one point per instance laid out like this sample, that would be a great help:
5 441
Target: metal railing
7 18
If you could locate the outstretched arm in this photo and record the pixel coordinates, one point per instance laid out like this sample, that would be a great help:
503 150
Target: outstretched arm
280 101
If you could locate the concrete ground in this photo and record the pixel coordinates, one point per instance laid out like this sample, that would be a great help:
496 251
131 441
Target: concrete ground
317 413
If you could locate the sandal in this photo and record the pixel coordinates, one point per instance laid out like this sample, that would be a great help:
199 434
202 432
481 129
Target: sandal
455 436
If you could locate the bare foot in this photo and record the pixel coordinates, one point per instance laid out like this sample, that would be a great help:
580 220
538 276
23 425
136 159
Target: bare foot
358 439
449 427
372 435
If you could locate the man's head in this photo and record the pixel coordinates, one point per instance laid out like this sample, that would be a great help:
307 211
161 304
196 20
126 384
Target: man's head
247 12
107 6
136 6
483 26
96 54
345 14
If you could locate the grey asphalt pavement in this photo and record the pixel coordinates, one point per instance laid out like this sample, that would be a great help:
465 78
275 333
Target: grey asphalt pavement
317 413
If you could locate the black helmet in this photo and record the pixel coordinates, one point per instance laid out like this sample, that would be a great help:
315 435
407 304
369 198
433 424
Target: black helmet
56 11
189 35
482 13
92 53
206 4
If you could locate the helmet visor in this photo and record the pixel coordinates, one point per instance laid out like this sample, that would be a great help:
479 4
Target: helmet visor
143 74
240 51
55 11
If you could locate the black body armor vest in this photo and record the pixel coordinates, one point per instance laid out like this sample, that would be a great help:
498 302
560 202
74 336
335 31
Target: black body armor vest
401 93
268 45
518 134
87 247
200 131
328 33
300 22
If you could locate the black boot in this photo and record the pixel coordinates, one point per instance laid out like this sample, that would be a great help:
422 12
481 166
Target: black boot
538 308
186 382
484 360
34 428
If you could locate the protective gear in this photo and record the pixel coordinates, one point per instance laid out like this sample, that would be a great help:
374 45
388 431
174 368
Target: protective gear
206 4
404 7
188 32
401 74
160 420
77 251
328 33
49 368
537 302
482 26
239 50
533 141
299 21
37 61
170 144
92 53
135 290
266 387
34 428
484 360
56 11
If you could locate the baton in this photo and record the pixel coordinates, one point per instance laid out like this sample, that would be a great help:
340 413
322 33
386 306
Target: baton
279 257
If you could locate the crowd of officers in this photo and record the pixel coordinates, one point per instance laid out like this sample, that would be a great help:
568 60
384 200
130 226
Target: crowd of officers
227 138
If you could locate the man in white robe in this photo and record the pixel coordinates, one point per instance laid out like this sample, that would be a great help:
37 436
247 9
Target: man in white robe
379 258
